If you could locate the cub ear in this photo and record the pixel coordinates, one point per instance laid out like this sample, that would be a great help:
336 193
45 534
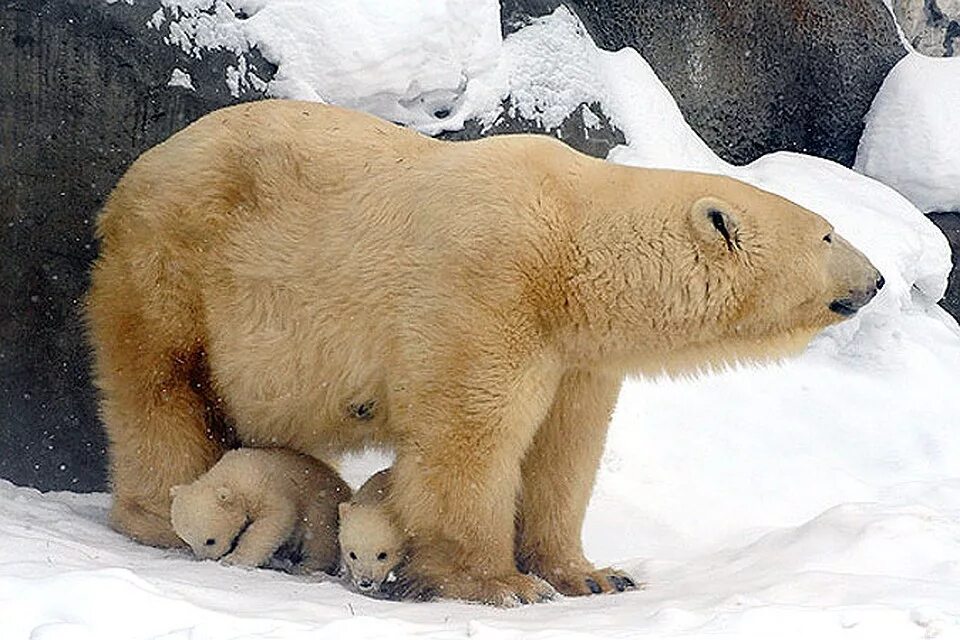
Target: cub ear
224 494
713 221
343 508
175 489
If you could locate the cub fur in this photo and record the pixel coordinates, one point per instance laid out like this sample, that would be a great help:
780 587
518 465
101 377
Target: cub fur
253 501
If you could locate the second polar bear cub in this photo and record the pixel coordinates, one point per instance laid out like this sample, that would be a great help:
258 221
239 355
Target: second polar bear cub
370 538
255 501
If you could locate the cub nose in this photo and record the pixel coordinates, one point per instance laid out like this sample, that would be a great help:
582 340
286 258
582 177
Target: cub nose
880 281
365 585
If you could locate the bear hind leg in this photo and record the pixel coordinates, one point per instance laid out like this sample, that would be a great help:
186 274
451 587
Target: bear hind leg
163 431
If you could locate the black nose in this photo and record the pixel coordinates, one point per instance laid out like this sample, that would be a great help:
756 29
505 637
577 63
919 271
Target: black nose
365 585
856 300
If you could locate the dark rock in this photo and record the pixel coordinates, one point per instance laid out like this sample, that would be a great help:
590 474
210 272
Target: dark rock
83 91
752 76
587 129
949 223
931 26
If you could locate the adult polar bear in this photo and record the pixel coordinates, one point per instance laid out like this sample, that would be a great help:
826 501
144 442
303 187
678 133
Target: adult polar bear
322 280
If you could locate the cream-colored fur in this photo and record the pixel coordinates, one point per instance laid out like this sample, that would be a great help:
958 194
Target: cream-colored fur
253 501
319 279
371 542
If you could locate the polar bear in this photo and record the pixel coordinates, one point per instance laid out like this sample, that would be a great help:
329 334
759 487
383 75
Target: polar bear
292 274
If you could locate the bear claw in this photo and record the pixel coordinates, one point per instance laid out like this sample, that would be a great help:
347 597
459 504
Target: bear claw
620 584
585 581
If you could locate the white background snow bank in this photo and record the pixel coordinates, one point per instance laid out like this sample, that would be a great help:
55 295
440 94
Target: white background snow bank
912 136
814 498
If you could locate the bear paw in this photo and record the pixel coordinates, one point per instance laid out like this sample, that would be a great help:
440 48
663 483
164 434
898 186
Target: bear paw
503 591
585 582
509 591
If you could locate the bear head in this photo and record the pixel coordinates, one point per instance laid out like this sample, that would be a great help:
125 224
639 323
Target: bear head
715 271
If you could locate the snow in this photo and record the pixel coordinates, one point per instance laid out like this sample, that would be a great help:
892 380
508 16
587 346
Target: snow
818 497
912 136
180 78
845 573
428 64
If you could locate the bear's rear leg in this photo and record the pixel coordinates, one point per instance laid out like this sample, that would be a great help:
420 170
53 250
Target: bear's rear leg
158 438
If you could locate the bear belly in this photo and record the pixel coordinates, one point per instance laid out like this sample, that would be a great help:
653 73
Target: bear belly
301 398
319 424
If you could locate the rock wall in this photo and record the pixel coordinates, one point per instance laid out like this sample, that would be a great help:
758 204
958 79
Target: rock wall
949 223
753 76
931 26
83 91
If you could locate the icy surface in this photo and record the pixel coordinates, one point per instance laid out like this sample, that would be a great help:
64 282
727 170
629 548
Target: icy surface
816 498
912 136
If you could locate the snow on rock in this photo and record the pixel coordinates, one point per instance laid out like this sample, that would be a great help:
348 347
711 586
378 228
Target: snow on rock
426 64
180 78
912 136
553 66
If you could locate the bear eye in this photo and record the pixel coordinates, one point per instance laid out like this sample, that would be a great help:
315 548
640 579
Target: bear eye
353 556
382 556
210 542
828 238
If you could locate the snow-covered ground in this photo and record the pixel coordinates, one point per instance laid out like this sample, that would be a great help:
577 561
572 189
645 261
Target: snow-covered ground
813 498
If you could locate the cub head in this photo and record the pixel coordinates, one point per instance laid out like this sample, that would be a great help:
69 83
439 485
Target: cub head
371 544
210 519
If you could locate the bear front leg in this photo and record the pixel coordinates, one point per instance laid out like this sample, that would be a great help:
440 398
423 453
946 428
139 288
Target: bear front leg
271 528
455 485
558 476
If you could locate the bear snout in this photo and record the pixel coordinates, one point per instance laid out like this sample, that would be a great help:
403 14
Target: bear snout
858 298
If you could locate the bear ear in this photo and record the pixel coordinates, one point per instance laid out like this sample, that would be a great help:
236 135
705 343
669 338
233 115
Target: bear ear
224 495
175 489
343 508
714 221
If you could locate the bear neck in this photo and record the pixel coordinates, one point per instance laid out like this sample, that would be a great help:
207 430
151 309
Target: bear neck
624 301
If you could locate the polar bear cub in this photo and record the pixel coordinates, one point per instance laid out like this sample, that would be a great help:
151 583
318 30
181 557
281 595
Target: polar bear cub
370 538
255 501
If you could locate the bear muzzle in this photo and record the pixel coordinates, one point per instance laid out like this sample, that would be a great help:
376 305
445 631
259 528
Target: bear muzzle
858 298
